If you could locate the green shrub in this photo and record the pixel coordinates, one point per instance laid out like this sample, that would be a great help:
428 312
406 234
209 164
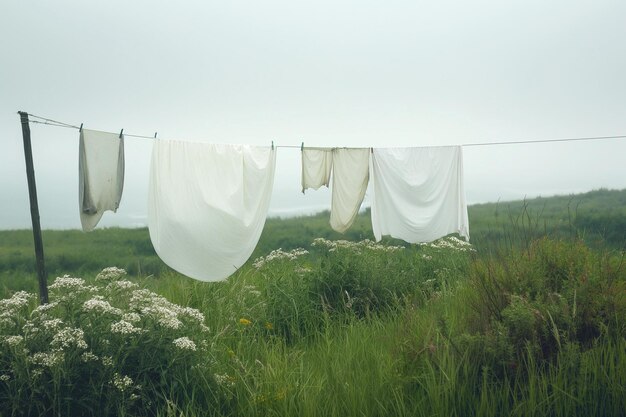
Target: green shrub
554 293
109 348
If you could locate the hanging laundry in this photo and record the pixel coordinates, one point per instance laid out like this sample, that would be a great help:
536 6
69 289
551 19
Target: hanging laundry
350 178
418 193
100 175
316 167
207 205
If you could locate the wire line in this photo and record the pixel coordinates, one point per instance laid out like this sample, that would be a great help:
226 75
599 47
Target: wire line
56 123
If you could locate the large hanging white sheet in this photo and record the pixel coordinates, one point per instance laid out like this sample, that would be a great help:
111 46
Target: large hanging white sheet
316 167
350 178
208 204
418 193
100 175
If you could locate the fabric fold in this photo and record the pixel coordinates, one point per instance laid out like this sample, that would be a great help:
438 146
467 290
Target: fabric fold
100 175
350 179
207 205
418 193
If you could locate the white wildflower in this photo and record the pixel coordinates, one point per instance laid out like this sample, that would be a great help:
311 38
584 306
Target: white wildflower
45 307
37 373
121 285
192 313
88 357
122 383
184 343
69 337
52 324
98 305
5 377
110 274
279 254
48 359
107 360
9 306
67 283
124 327
13 341
224 380
131 317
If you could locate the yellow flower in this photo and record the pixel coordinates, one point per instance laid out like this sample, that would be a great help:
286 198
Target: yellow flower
245 322
269 326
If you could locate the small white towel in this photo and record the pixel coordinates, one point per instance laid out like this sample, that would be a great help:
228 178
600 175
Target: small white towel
316 167
350 179
100 175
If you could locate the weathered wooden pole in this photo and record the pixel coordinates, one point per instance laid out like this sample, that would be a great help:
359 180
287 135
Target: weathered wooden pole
34 210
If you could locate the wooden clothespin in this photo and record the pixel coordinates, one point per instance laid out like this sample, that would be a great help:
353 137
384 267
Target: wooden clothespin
155 133
121 132
80 129
272 145
302 147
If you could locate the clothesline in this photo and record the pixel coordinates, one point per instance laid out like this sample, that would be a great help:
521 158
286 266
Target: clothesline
51 122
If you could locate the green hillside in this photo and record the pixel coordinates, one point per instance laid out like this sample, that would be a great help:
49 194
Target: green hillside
597 216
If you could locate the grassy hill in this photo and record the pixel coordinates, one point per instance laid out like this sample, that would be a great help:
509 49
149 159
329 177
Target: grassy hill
597 216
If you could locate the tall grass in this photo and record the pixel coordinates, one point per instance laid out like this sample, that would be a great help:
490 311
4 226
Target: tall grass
343 328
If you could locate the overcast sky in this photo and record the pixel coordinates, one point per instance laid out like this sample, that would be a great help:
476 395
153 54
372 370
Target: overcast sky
328 73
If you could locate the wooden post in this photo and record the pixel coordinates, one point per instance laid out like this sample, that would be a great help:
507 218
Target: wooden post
34 210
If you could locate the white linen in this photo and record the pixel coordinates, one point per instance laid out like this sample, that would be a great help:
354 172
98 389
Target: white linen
418 193
316 167
100 175
350 178
208 204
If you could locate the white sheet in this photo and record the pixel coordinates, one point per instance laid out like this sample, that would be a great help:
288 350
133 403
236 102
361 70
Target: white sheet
208 204
100 175
316 167
418 193
350 178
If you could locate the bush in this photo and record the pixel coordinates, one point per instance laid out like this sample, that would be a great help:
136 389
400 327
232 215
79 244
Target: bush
109 348
555 293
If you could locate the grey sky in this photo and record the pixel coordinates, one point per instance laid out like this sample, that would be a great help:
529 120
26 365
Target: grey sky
329 73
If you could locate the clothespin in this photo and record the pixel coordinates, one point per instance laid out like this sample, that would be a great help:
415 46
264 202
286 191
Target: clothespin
272 145
155 133
302 147
80 129
372 150
121 132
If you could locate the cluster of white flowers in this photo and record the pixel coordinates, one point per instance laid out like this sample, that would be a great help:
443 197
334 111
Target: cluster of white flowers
68 337
98 304
12 341
121 285
9 307
131 317
224 380
47 359
5 377
107 360
122 382
333 245
451 243
279 254
124 327
68 283
167 314
88 357
184 343
111 273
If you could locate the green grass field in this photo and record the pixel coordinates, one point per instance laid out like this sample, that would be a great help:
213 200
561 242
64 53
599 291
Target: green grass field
529 320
